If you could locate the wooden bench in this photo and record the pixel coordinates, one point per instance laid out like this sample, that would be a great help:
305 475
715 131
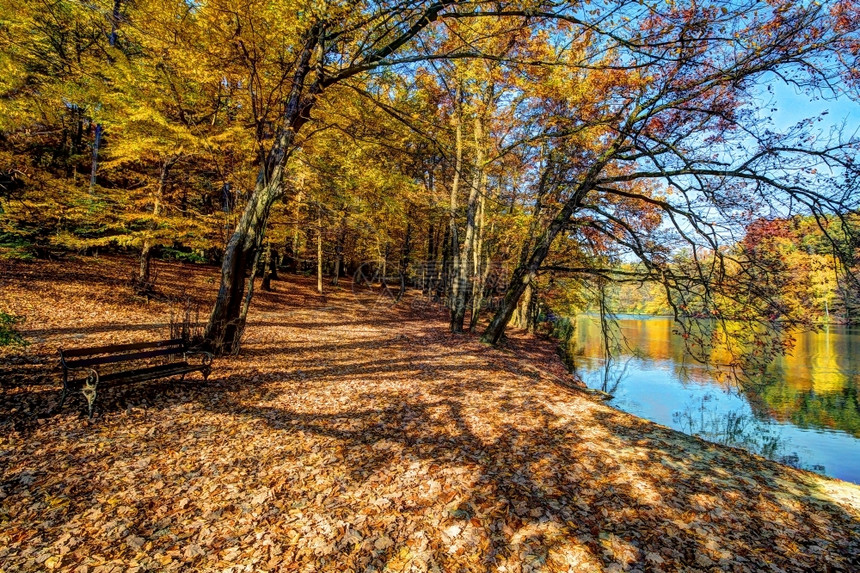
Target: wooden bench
92 362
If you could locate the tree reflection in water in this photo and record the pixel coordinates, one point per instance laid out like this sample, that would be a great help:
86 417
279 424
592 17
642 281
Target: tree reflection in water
802 409
738 429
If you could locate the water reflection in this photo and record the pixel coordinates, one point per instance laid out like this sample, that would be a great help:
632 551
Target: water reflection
803 410
732 428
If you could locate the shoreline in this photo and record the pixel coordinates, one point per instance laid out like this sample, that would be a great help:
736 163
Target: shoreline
623 315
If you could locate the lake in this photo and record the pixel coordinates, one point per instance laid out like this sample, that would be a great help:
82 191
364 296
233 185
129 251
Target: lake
806 415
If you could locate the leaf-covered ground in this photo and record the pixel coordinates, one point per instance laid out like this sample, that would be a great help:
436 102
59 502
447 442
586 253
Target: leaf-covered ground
349 439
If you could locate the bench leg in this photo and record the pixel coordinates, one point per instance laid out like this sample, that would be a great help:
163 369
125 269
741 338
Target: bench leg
89 391
65 393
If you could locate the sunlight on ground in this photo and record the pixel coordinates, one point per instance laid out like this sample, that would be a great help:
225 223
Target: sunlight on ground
340 441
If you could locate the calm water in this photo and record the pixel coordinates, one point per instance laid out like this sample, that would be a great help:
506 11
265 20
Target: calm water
807 415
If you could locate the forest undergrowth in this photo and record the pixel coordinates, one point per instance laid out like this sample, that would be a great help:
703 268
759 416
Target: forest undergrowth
349 438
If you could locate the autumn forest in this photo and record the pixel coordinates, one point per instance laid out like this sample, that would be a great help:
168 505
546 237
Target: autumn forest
376 222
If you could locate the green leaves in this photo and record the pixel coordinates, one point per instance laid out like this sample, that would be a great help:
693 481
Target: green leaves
8 334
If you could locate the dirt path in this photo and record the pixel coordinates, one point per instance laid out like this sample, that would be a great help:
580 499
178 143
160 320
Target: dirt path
350 440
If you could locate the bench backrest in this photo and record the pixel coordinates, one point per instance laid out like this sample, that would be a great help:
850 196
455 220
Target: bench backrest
93 356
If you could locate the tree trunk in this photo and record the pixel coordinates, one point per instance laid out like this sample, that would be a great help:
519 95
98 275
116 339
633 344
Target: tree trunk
296 249
529 265
97 140
443 284
520 318
319 251
456 287
144 272
385 254
466 269
75 142
429 265
226 322
482 267
290 262
339 250
527 270
143 284
338 260
114 22
431 270
225 326
406 253
274 259
267 268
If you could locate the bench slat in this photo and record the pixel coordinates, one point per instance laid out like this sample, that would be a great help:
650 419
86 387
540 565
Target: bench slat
130 357
161 371
73 352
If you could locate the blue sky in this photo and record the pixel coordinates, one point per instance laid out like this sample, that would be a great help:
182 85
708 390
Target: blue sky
793 107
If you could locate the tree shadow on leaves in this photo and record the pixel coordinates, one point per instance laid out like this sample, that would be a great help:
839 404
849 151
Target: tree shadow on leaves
548 494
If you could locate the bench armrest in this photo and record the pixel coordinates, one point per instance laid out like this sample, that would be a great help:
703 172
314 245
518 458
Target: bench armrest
92 378
206 357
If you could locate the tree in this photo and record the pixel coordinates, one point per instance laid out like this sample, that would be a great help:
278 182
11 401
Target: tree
679 112
175 147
